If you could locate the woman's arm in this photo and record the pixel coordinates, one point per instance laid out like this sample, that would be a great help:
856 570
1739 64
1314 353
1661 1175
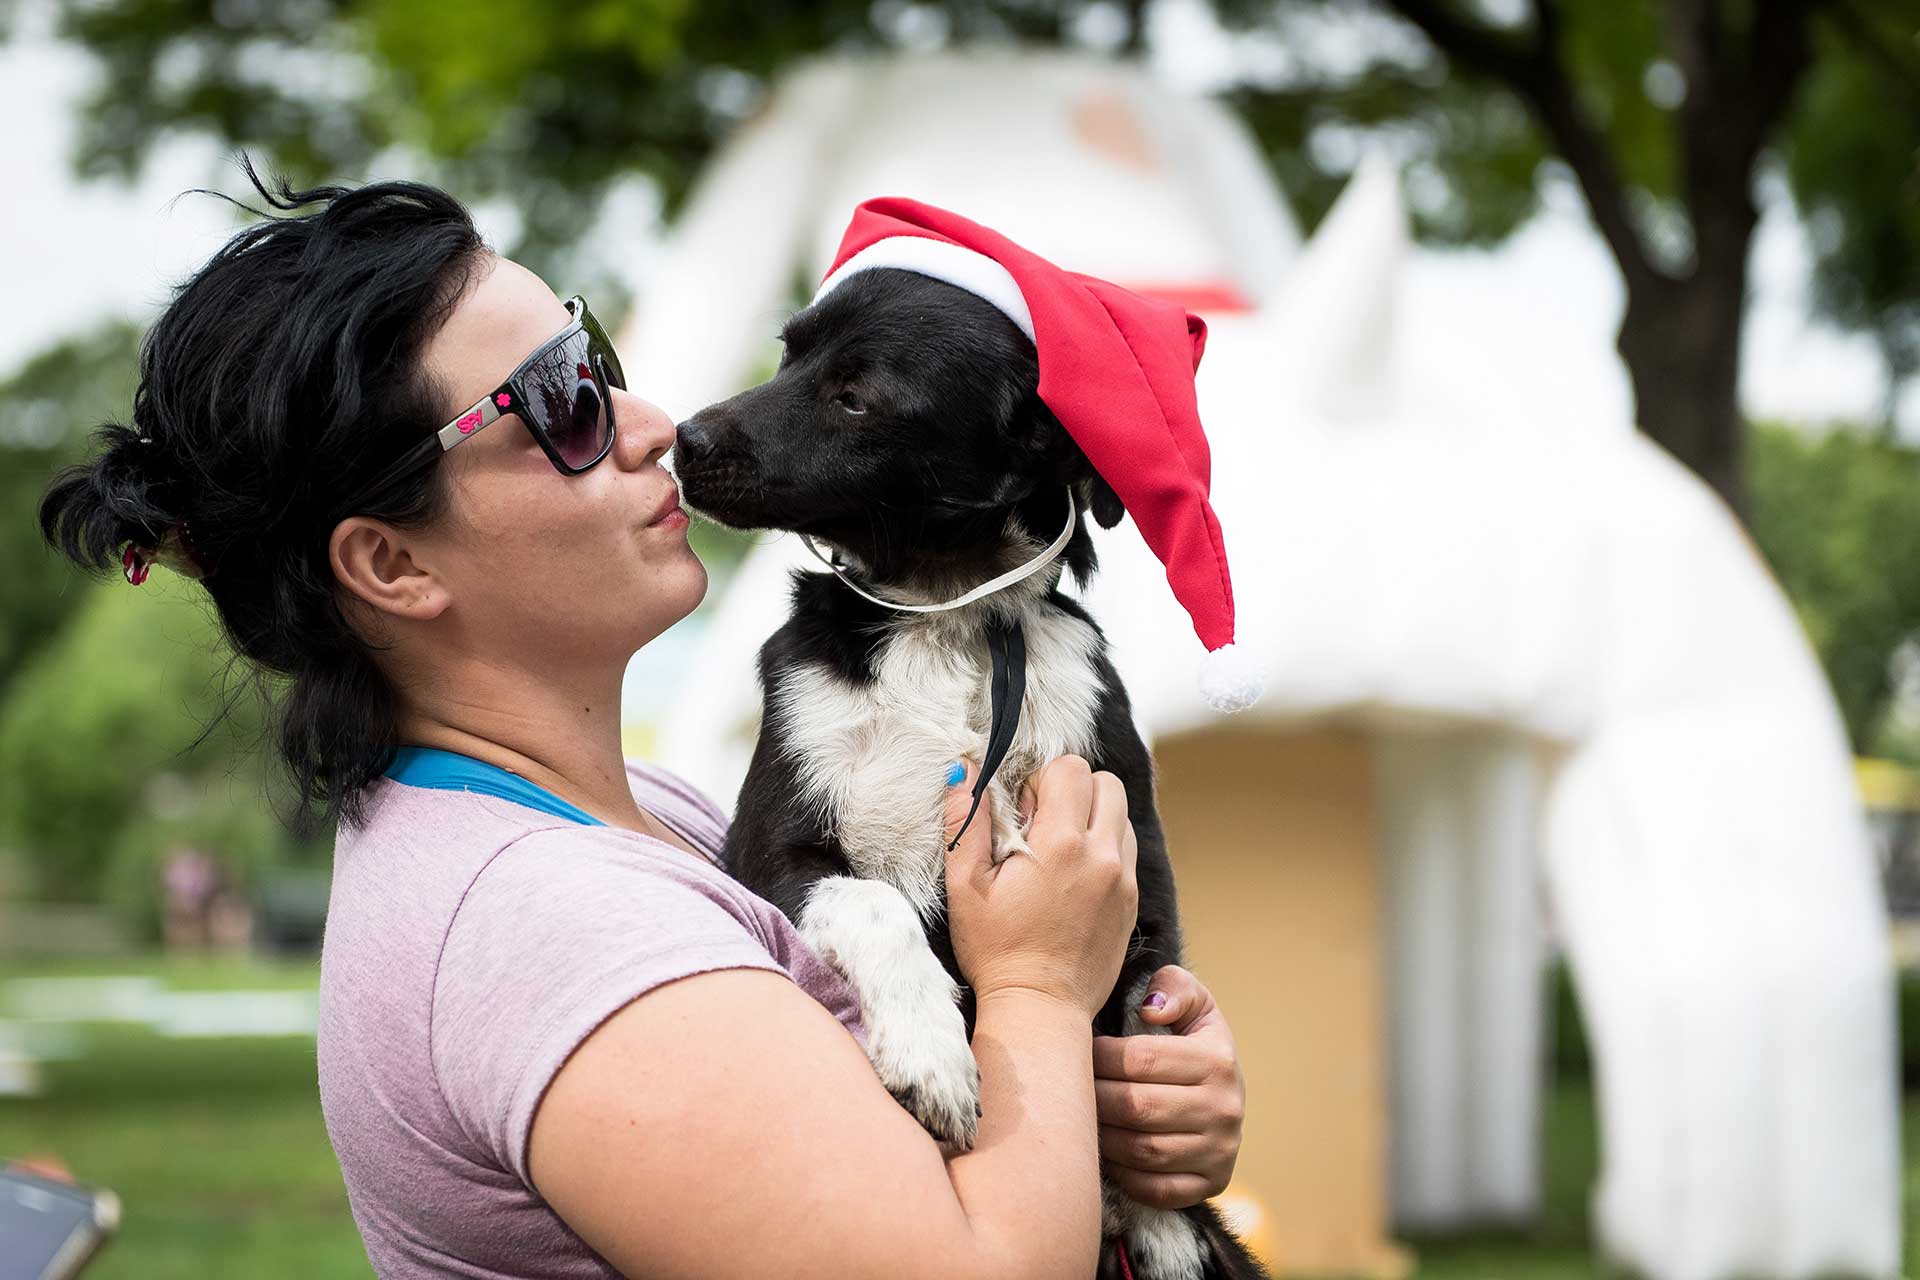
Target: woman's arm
726 1124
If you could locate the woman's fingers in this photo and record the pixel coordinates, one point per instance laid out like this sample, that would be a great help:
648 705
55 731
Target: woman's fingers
974 846
1108 821
1159 1060
1170 1106
1160 1190
1182 997
1156 1152
1151 1108
1063 798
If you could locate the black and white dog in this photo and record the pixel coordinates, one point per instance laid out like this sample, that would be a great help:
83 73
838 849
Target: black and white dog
904 429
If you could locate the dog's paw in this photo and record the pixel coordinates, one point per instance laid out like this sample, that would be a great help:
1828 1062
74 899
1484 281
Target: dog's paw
916 1038
928 1067
1163 1244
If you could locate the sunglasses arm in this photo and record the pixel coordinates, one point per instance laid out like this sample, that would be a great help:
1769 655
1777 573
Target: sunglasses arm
482 412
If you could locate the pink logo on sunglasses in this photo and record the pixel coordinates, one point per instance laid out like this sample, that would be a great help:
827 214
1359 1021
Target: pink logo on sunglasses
503 399
468 424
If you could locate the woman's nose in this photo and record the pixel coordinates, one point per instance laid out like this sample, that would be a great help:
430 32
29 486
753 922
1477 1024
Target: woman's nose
643 431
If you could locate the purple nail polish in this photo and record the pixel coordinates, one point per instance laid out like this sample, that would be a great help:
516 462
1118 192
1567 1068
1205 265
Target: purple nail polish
1158 1000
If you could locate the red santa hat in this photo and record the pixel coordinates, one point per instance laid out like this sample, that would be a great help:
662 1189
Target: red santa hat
1117 370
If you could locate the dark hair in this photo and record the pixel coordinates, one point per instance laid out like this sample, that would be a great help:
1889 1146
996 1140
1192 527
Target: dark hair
277 385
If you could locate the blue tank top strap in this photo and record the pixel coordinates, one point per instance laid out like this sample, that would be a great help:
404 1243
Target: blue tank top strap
438 770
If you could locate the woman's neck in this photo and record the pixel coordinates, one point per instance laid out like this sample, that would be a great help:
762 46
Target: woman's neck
564 737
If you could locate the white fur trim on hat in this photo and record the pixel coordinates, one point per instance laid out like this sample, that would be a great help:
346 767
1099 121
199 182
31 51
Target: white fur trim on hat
1231 679
964 268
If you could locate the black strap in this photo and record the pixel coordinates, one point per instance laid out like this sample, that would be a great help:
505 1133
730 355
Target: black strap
1007 649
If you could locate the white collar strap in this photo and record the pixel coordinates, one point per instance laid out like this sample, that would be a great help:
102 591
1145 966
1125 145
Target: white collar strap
980 592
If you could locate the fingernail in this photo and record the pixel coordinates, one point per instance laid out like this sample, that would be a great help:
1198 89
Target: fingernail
956 773
1158 1000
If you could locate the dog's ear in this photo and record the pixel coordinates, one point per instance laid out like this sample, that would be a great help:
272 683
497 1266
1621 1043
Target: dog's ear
1106 503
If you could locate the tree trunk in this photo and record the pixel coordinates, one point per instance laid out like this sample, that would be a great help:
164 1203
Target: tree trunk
1680 340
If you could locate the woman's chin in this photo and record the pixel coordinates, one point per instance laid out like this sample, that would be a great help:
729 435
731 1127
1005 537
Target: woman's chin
680 587
662 592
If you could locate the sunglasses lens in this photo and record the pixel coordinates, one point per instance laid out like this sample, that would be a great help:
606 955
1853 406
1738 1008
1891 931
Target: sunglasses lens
609 363
567 403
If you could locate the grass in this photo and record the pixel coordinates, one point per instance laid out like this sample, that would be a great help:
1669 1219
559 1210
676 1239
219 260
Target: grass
1552 1247
215 1146
217 1150
181 973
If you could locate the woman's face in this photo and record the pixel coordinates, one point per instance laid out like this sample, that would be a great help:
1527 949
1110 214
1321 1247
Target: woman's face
545 570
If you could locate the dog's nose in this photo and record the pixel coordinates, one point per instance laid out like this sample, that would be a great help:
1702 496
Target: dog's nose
692 440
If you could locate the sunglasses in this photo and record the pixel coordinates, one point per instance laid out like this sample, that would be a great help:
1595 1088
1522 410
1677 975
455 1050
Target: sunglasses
560 392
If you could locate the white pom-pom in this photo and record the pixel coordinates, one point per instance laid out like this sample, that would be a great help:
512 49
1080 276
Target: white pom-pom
1231 679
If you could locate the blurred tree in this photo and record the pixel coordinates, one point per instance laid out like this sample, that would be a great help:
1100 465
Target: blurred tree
45 410
216 814
109 696
1664 111
1838 517
107 727
1853 158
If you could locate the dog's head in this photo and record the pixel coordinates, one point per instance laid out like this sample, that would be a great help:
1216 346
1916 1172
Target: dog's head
903 425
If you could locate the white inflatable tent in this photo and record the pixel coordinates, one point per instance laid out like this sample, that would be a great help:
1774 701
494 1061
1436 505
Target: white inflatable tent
1579 678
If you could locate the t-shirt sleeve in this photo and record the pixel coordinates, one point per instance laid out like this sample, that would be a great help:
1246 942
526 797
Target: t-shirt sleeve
677 801
556 934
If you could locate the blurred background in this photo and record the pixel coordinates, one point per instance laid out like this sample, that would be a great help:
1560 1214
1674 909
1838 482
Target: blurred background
1563 892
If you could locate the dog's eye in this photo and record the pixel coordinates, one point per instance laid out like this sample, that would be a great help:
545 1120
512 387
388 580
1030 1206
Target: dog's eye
850 402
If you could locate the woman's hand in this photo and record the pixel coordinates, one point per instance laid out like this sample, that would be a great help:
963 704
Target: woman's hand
1170 1105
1054 922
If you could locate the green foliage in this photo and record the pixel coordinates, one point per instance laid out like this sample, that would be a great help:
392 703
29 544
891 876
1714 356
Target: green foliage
1567 1047
1838 518
1470 153
215 1147
104 689
45 410
222 814
1853 159
511 100
285 74
453 81
1571 1057
1908 997
1611 48
107 727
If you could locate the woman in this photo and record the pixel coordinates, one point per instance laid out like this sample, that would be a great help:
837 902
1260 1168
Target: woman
555 1039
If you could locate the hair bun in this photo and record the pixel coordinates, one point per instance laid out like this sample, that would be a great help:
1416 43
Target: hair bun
123 495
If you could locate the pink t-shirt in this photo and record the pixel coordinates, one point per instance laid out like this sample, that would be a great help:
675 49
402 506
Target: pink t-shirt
471 945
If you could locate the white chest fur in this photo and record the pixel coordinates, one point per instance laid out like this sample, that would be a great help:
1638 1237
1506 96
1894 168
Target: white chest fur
873 757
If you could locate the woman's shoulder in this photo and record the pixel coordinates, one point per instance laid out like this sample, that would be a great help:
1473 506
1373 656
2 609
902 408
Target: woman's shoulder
559 930
679 804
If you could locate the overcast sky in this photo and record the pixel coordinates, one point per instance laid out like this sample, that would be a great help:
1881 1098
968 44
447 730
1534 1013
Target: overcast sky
1547 302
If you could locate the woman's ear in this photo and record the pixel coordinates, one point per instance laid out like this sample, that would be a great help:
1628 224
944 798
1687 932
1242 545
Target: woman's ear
1106 504
374 562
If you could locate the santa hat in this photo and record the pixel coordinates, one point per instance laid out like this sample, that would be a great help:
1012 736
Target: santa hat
1117 370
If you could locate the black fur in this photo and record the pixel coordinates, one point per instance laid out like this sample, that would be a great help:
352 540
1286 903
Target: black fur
904 425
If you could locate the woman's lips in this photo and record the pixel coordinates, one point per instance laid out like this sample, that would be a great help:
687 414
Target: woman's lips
670 516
